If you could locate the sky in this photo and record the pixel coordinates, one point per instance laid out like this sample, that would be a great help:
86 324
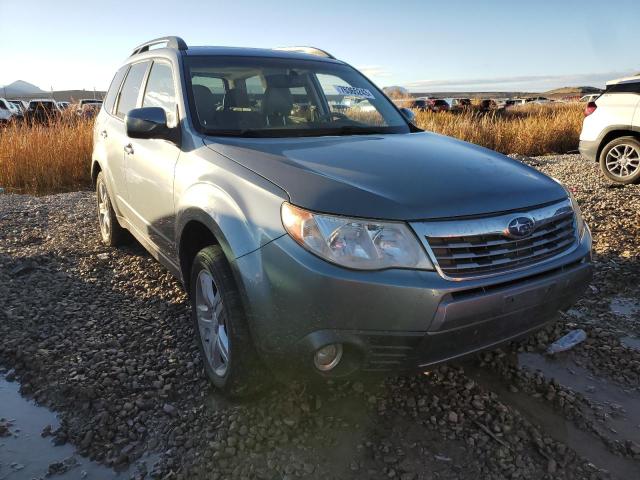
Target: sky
425 46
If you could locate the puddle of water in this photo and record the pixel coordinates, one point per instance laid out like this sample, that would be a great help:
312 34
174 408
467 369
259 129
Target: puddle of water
631 342
556 426
622 407
25 454
626 307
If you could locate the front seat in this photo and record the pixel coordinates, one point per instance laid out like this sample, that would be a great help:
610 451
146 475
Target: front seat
277 105
205 105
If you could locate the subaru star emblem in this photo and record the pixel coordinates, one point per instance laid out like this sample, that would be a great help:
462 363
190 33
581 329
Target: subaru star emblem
520 227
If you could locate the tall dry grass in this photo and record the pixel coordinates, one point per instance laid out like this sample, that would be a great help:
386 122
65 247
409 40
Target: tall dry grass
42 159
527 130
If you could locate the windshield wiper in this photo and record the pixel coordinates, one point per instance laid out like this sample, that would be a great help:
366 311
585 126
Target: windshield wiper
353 130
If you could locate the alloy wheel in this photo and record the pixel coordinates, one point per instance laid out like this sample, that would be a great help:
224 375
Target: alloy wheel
211 323
104 217
623 160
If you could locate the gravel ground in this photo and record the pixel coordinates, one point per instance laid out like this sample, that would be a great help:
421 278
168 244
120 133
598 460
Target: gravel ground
103 337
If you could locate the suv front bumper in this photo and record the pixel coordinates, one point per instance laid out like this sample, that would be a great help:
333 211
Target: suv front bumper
394 319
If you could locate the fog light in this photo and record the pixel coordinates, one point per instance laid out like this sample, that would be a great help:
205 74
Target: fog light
327 357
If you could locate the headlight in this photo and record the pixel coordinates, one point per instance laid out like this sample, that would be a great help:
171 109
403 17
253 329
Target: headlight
355 242
576 210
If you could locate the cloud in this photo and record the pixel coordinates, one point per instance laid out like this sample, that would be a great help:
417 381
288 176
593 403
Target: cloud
523 82
374 71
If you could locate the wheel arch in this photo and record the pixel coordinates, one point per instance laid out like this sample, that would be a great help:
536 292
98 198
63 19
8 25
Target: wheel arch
96 168
197 230
616 132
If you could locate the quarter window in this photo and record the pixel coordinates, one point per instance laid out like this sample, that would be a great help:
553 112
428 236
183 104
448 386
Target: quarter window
131 89
110 98
160 91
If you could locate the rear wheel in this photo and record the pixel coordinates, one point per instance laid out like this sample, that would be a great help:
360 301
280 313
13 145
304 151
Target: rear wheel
112 233
230 359
620 160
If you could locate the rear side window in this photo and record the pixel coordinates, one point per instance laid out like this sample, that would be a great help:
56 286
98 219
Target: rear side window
131 89
160 91
110 98
629 87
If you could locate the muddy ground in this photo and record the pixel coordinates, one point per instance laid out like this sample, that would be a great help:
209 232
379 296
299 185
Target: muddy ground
102 337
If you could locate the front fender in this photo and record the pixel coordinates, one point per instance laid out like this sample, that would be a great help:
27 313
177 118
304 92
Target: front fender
240 225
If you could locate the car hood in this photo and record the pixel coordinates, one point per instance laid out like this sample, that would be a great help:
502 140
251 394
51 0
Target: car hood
397 176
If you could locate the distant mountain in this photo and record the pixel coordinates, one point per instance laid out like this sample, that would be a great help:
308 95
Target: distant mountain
21 88
571 91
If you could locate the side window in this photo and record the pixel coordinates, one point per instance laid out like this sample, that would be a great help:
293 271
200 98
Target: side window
131 89
628 87
110 98
160 91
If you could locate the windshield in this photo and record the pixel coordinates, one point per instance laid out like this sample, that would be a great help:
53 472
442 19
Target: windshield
276 97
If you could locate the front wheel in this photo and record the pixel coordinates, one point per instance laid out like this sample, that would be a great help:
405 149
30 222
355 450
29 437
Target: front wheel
230 359
620 160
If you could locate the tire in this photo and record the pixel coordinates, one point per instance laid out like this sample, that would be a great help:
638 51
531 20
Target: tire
620 160
110 230
229 356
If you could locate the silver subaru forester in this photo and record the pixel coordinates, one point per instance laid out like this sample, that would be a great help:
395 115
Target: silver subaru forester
315 227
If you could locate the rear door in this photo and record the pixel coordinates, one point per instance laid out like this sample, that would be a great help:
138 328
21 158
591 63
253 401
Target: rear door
109 157
114 133
151 164
620 102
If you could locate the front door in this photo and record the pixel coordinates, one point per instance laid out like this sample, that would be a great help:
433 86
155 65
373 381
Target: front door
151 165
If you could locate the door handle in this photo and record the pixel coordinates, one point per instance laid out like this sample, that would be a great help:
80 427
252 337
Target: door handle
128 149
103 134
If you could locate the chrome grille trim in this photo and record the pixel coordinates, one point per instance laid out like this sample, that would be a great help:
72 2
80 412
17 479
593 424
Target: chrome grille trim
463 249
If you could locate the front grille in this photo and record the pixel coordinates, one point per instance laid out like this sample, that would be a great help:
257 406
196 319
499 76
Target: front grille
481 248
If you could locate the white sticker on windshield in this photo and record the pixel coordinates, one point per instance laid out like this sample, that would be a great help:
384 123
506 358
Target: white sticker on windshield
354 91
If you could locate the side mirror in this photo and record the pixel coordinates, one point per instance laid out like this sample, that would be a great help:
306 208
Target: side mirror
408 114
148 122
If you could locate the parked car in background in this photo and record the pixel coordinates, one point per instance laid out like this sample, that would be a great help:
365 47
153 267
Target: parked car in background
438 105
63 105
8 111
611 130
463 103
20 105
487 104
540 100
43 110
327 245
420 104
458 104
590 98
86 101
89 110
514 102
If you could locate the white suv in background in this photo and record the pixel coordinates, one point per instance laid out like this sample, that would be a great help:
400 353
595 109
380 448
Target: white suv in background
611 130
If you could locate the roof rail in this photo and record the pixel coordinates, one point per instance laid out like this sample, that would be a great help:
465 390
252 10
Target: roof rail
171 42
307 50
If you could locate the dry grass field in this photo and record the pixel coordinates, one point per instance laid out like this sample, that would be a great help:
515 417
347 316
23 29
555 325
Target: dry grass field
527 130
46 159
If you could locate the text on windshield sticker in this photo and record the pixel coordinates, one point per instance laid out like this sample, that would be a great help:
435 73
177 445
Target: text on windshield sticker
354 91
